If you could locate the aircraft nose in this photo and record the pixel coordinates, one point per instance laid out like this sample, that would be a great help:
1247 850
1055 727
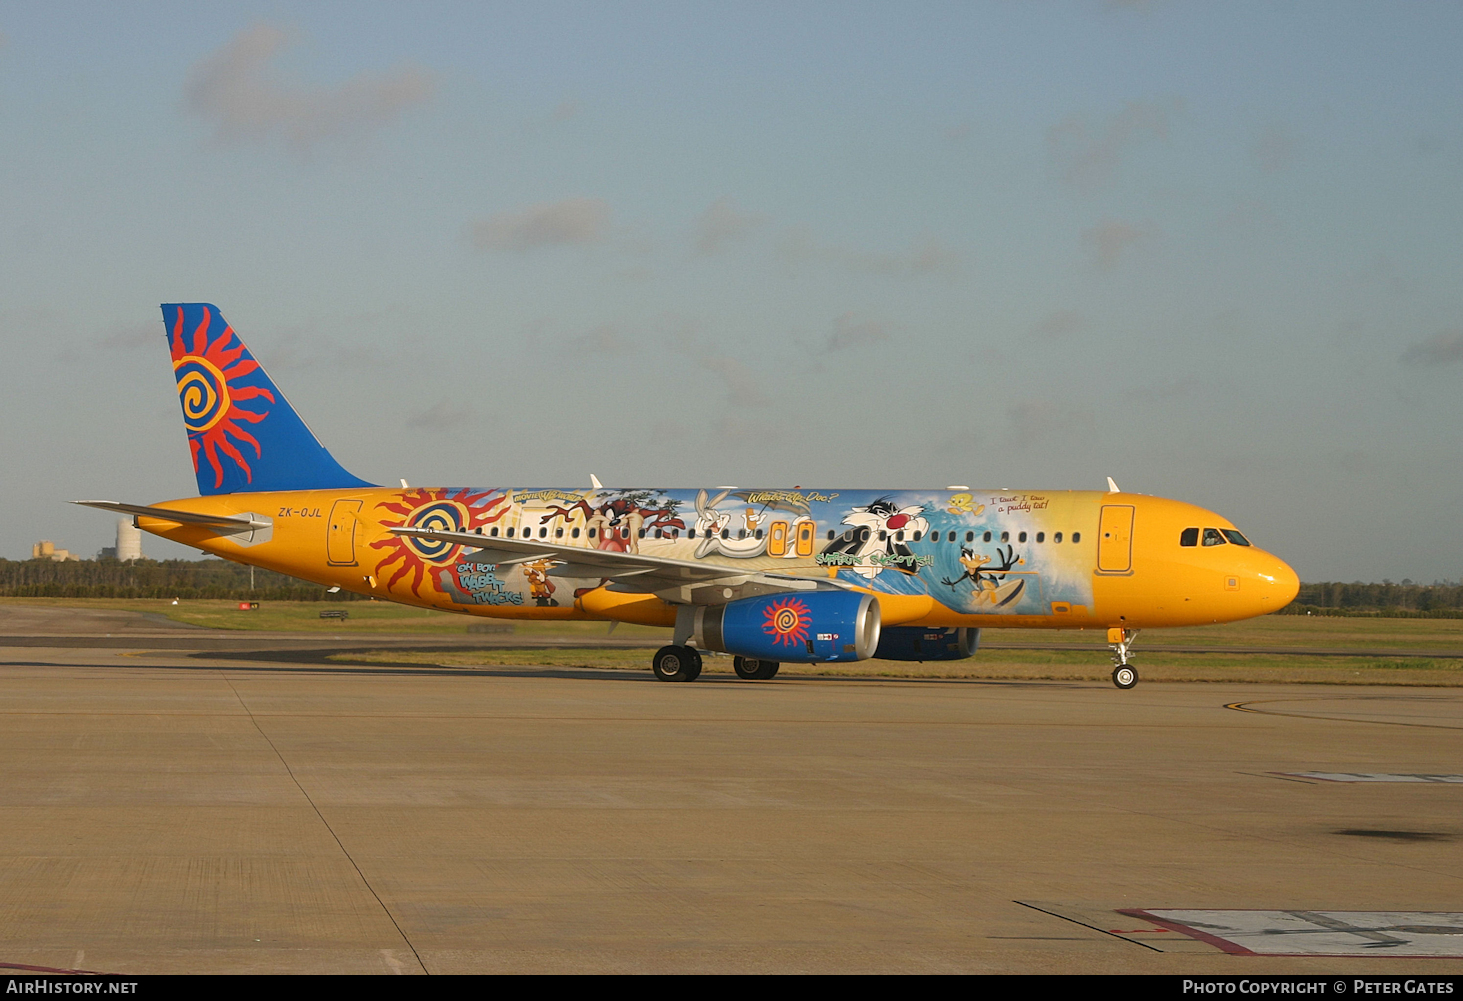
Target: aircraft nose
1282 585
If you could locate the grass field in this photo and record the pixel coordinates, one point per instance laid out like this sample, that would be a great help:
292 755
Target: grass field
1365 648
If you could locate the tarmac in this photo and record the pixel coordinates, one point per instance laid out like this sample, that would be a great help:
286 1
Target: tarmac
191 802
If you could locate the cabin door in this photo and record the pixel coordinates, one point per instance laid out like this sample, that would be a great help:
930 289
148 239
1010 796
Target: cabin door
340 538
1115 539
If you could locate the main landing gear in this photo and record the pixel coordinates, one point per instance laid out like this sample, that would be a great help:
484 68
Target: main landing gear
683 663
1124 674
749 669
677 663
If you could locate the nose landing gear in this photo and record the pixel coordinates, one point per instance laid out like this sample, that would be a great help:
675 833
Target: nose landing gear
1124 674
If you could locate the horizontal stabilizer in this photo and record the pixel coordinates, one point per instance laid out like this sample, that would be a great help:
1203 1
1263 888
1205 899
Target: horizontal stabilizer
238 523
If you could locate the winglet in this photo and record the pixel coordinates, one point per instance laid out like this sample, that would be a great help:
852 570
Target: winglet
1112 487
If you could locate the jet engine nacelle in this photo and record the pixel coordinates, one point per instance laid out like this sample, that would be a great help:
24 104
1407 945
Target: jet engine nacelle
926 643
798 628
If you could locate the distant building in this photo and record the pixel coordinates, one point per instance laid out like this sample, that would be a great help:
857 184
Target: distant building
46 550
129 540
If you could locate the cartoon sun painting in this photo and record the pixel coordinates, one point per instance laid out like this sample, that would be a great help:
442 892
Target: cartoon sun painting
445 510
207 373
786 621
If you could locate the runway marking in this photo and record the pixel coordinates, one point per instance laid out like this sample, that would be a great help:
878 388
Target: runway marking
1048 909
1403 934
344 851
1248 707
1377 777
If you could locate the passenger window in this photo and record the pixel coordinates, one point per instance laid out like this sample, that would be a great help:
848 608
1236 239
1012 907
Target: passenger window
916 536
691 533
1021 537
1005 536
1235 537
640 534
759 533
1189 537
657 533
494 532
510 533
592 532
726 533
1057 537
863 535
1076 536
1040 536
574 533
830 535
558 533
1212 537
986 537
969 536
883 535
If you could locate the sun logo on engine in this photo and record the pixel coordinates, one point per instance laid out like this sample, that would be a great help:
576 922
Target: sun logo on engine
786 621
208 373
443 510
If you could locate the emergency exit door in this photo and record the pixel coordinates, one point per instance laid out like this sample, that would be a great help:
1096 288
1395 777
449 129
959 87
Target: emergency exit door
340 537
1115 539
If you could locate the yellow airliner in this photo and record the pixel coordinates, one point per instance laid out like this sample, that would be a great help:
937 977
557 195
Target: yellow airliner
767 575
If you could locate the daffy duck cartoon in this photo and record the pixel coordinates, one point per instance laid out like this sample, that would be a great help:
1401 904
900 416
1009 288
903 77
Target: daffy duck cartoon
987 579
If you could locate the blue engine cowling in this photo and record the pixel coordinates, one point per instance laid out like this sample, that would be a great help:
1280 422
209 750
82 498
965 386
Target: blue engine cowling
926 643
803 628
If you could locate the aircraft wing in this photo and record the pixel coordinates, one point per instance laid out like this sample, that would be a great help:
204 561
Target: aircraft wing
680 581
238 523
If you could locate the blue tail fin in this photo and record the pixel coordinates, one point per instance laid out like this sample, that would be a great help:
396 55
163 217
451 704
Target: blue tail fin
242 432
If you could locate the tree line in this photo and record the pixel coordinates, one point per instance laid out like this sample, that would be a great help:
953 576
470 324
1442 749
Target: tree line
1442 599
109 578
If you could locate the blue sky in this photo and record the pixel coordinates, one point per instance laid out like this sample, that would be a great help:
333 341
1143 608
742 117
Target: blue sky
1211 250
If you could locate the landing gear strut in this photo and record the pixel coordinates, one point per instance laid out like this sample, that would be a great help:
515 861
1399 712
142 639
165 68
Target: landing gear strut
677 663
751 669
1124 674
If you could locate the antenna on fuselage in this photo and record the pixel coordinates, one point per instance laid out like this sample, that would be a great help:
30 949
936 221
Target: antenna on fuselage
403 484
594 482
1112 487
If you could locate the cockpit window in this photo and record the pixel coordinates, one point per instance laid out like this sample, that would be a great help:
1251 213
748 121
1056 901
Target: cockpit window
1235 537
1189 537
1213 537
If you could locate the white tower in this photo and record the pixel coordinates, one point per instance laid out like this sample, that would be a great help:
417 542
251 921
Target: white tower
129 540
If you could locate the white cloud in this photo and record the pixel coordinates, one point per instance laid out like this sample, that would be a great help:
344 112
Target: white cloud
850 331
441 416
1058 323
1110 239
1088 157
721 223
248 100
1444 349
926 256
602 340
561 223
1273 149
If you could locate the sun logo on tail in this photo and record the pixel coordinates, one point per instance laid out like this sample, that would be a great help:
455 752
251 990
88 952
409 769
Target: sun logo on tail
207 372
445 510
786 621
